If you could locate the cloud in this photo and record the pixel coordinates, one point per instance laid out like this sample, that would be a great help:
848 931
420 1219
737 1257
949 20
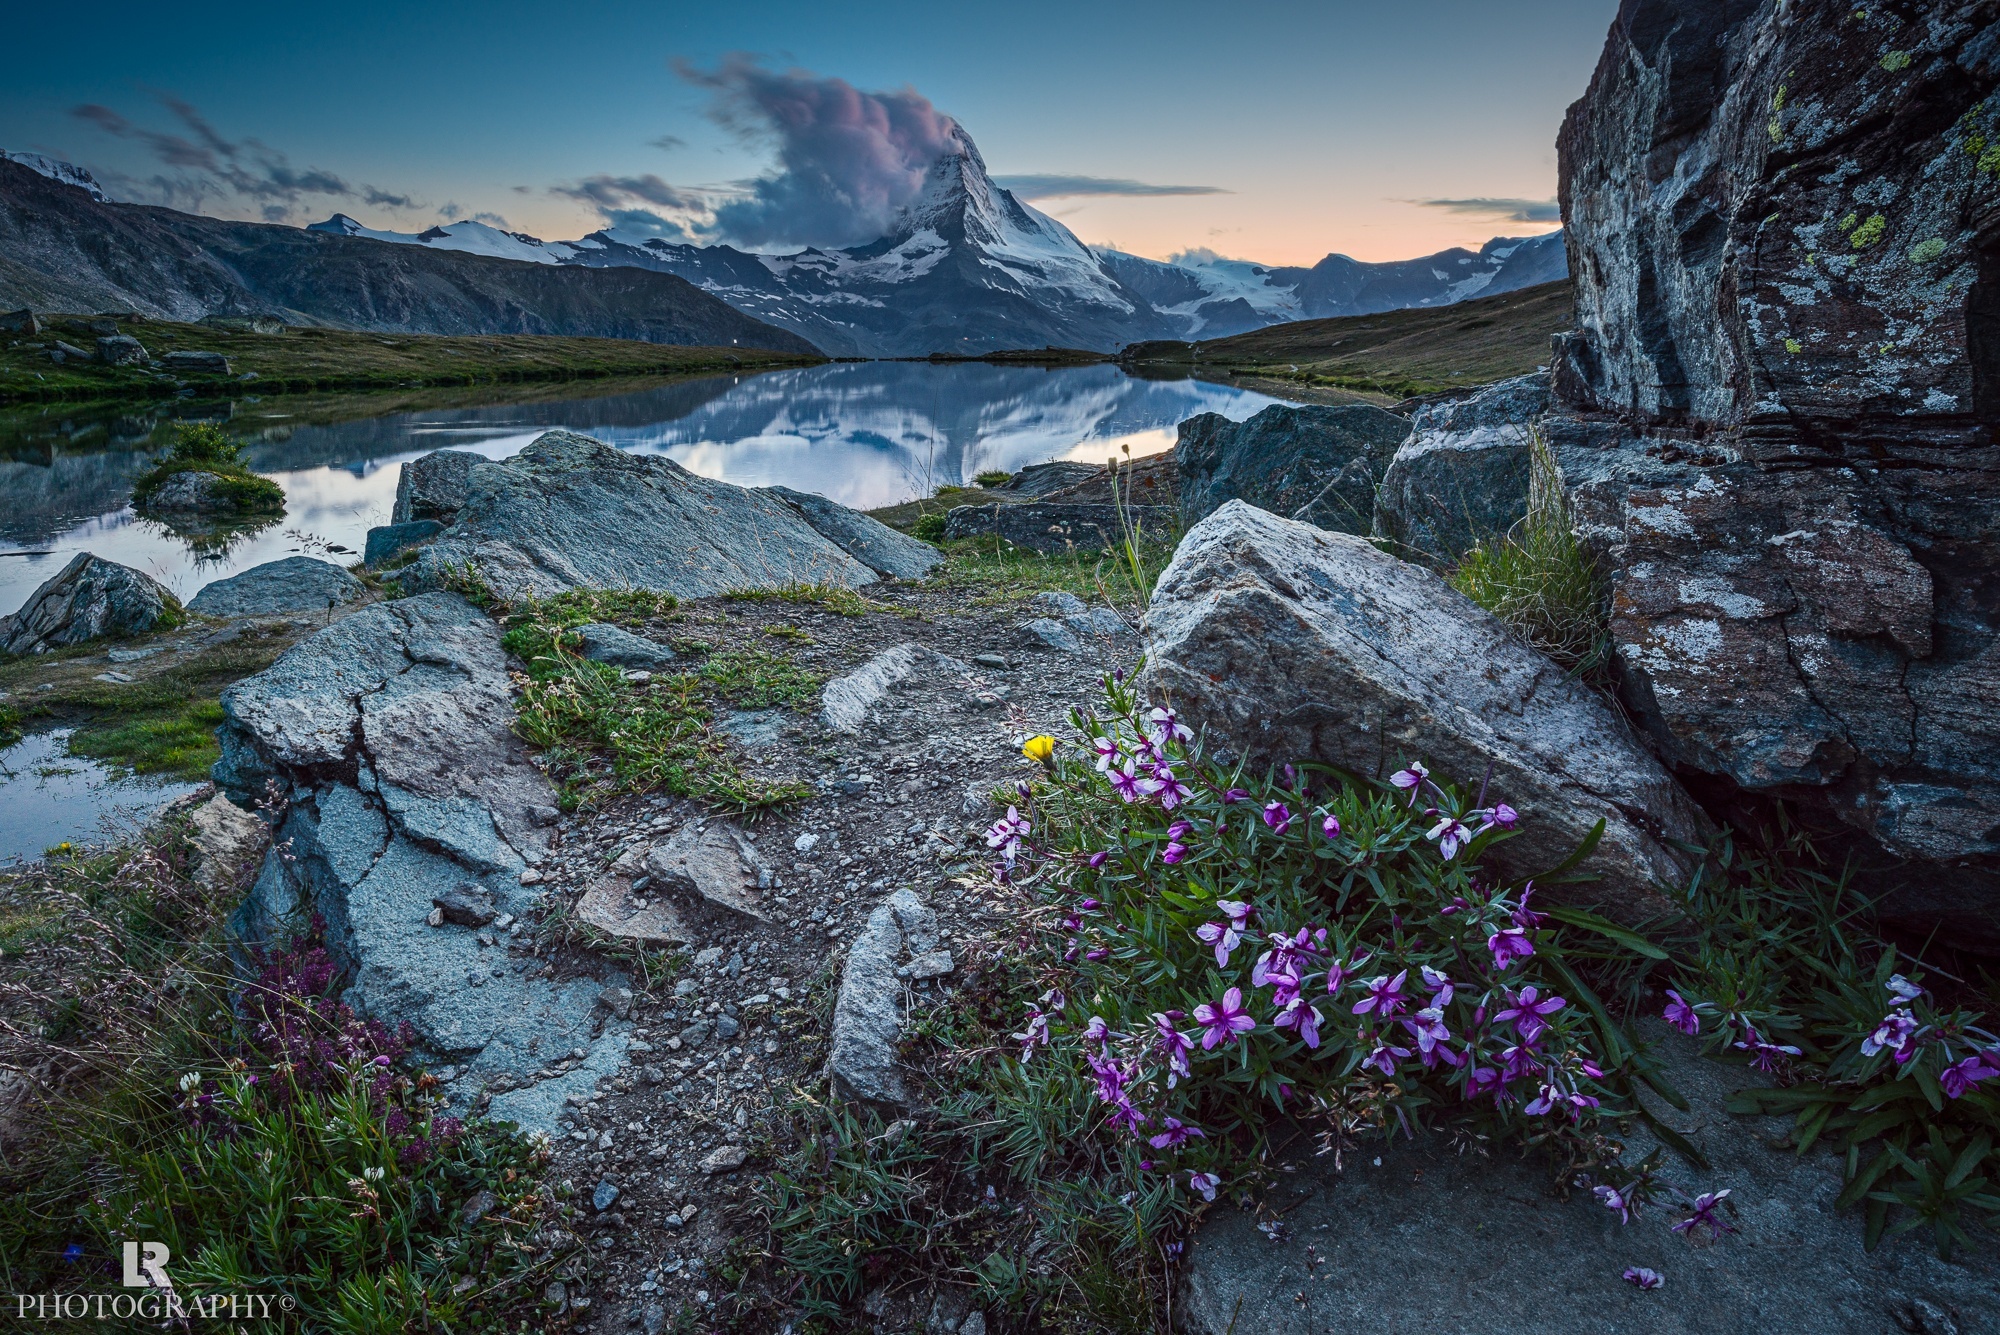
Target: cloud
491 220
847 160
1053 186
1507 210
611 192
667 143
203 163
646 223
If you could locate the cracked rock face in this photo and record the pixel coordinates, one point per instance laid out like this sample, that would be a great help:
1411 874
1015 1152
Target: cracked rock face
1778 413
571 511
1462 475
1287 642
389 734
1308 462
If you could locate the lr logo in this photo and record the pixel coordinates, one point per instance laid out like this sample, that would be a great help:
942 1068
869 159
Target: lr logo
146 1265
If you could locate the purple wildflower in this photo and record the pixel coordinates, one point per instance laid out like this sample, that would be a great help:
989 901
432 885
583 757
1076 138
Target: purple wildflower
1235 795
1125 780
1385 995
1897 1033
1298 1013
1902 989
1615 1199
1330 827
1680 1014
1278 816
1205 1183
1106 751
1099 858
1164 726
1643 1278
1177 1133
1282 960
1006 834
1509 944
1225 937
1224 1020
1171 791
1410 780
1451 834
1961 1076
1035 1034
1526 1009
1524 917
1427 1027
1172 1044
1439 986
1706 1207
1384 1057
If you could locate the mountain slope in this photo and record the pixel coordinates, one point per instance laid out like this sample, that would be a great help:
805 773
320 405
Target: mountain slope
1394 353
61 249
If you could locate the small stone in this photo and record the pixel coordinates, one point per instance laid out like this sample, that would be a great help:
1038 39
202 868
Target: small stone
435 917
685 987
605 1196
475 980
617 1000
478 1208
933 964
556 1295
504 921
116 678
725 1159
674 1223
531 876
990 660
727 1027
805 843
468 904
708 958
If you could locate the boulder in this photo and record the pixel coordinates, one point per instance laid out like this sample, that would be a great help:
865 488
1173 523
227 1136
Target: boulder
1779 219
61 350
293 584
386 542
868 1015
1067 624
1041 479
1314 463
1287 642
389 739
621 648
205 363
190 491
1152 479
86 600
435 486
867 540
1462 475
228 842
1049 526
121 350
20 322
570 511
1413 1236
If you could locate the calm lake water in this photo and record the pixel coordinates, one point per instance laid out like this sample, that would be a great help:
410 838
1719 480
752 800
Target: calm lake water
865 434
49 797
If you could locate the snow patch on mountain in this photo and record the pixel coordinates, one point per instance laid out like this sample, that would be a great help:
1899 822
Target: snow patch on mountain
57 170
467 235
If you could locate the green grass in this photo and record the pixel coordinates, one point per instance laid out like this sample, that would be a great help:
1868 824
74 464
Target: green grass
603 733
1540 578
995 573
833 597
115 983
317 360
163 723
993 477
201 447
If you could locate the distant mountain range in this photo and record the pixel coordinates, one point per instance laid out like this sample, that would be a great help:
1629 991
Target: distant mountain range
967 268
63 247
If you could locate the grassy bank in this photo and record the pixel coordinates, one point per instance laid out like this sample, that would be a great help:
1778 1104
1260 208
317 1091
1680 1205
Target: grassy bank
1394 355
304 360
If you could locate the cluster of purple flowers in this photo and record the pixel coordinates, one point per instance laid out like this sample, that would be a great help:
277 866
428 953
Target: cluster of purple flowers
306 1042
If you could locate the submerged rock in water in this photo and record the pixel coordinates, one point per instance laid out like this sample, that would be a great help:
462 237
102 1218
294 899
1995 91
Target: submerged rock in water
569 511
88 599
390 736
293 584
1290 643
1307 462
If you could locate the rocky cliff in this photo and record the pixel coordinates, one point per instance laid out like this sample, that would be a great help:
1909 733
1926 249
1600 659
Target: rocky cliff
1777 412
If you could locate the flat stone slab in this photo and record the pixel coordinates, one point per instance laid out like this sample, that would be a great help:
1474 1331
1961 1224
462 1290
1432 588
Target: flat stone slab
846 700
294 584
868 1015
1412 1238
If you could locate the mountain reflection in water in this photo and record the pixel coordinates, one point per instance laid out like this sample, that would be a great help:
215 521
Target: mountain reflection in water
866 434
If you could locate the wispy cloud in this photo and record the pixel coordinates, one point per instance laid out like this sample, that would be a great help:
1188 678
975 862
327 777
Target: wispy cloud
1053 186
203 164
1506 210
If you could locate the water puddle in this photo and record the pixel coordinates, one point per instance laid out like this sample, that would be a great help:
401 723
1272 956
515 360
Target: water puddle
50 797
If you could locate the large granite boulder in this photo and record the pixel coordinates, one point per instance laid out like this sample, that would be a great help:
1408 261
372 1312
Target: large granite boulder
293 584
1309 462
435 486
1409 1237
1777 416
1462 475
572 511
389 738
88 599
867 540
1286 642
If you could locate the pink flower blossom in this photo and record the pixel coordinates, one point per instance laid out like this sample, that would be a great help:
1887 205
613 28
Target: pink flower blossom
1509 944
1225 937
1224 1020
1385 995
1177 1133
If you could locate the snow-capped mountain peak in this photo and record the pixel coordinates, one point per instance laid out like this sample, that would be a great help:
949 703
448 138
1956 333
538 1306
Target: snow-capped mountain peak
468 235
57 170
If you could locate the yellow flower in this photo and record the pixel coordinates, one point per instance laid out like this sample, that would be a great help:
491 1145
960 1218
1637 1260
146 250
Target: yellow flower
1039 749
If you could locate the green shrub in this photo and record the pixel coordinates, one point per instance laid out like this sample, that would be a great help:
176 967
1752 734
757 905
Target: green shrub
1540 578
201 447
929 527
996 477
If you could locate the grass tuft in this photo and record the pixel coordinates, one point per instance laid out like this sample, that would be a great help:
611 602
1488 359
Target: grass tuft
833 597
1540 578
200 447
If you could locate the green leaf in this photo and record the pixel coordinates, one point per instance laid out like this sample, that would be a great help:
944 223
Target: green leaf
1878 1216
1603 926
1864 1181
1583 850
1969 1158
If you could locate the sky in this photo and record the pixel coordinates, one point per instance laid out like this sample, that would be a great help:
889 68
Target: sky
1264 130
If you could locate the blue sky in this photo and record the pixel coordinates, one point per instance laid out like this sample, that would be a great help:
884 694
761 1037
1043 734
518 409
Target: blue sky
1316 126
